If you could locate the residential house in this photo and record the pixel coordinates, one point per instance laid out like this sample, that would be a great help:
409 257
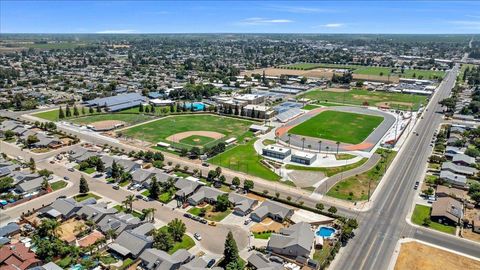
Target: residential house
273 210
444 191
29 186
459 169
463 160
17 257
296 240
450 151
128 165
133 242
259 261
139 176
65 208
49 266
186 188
8 230
242 205
155 259
447 210
454 179
96 212
205 194
195 264
118 222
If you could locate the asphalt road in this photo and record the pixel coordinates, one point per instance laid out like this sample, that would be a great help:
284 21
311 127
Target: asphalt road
385 223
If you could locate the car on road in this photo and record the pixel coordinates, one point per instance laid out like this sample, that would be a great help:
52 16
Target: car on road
116 187
61 197
197 236
66 178
145 198
139 196
71 169
212 223
187 215
52 161
204 164
247 221
203 221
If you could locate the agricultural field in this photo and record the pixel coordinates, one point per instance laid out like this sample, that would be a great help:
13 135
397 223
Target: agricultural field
243 158
355 127
187 131
370 98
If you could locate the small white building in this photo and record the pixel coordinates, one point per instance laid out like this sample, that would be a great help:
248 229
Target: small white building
161 102
276 151
303 158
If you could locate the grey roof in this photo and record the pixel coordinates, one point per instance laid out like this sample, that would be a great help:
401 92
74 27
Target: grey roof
186 186
463 158
208 193
272 208
118 102
85 156
96 212
450 166
4 240
8 229
51 266
454 150
197 263
141 175
241 202
300 234
107 161
19 176
69 207
160 260
133 241
259 261
30 185
118 222
127 164
9 125
453 177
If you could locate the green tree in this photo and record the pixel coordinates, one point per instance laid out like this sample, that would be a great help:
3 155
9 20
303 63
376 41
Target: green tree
222 203
162 240
154 189
75 110
248 185
68 113
31 139
140 108
230 251
9 134
61 114
177 229
6 183
100 166
32 165
319 206
83 185
332 209
236 181
90 110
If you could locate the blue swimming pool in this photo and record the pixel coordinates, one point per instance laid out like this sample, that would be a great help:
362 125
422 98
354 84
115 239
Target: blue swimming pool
197 106
325 231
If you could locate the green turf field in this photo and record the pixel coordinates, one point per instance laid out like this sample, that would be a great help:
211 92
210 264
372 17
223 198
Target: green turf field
344 127
158 131
197 140
243 158
370 98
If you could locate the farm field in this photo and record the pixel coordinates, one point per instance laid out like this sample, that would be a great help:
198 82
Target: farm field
364 97
243 158
355 127
164 128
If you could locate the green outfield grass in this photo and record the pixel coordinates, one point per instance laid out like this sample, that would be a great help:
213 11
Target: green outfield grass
159 130
370 98
243 158
355 127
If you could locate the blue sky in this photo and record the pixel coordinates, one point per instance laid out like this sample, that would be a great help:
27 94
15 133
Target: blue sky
239 17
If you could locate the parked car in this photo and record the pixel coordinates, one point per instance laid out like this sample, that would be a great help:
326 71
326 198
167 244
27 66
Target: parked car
52 161
66 178
61 197
71 169
187 215
247 221
116 187
204 164
212 223
139 196
203 221
197 236
211 263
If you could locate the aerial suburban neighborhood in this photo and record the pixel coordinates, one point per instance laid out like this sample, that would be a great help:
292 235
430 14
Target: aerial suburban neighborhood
254 143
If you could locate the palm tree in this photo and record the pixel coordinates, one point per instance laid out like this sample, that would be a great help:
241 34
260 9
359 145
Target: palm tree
303 143
110 234
327 148
338 145
319 146
128 202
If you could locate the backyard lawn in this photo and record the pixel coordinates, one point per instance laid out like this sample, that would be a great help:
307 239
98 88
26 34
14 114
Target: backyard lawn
58 185
186 243
245 159
355 127
421 212
372 98
82 197
356 188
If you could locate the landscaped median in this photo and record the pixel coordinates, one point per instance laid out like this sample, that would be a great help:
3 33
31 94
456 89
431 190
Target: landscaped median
421 216
361 186
328 171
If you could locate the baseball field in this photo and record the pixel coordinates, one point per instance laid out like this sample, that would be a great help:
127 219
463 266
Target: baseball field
344 127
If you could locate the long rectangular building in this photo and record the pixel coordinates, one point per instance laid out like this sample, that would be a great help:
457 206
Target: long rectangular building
119 102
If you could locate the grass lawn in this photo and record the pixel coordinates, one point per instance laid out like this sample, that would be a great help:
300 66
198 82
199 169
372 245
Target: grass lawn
124 183
121 208
53 114
435 166
355 127
107 259
165 197
58 185
373 98
197 140
421 212
82 197
210 214
89 170
268 142
161 129
310 107
262 235
126 263
344 156
328 171
64 262
146 193
186 243
243 158
320 255
127 118
356 188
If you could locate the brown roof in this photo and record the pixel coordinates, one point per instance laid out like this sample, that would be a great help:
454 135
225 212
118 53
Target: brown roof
90 239
447 207
17 256
453 192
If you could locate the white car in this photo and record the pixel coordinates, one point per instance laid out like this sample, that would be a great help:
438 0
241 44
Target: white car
197 236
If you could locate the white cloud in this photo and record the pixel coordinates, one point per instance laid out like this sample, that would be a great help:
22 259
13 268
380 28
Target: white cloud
118 31
332 25
472 25
263 21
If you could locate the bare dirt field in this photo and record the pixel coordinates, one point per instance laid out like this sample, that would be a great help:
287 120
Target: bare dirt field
107 124
182 135
267 225
417 256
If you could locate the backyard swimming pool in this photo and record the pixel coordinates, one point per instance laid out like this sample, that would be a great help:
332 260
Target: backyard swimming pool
325 232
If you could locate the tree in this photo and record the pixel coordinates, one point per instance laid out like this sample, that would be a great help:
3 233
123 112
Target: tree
115 170
140 109
75 110
128 202
162 240
177 229
222 203
6 183
32 165
9 134
230 251
49 228
100 166
68 113
61 114
236 181
248 184
319 206
90 110
154 189
426 222
31 139
84 185
332 209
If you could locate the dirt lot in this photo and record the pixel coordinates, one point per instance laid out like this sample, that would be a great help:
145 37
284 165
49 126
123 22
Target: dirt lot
70 229
255 197
470 214
416 256
267 225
